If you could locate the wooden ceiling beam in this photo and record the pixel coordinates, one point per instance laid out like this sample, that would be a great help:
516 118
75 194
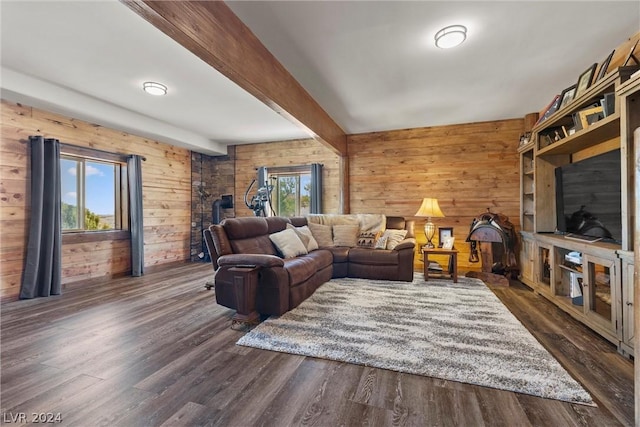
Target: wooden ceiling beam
216 35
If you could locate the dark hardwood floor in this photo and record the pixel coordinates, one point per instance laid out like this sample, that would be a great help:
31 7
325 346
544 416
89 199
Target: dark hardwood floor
158 351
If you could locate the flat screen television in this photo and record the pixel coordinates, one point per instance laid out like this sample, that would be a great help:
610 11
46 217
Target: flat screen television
590 187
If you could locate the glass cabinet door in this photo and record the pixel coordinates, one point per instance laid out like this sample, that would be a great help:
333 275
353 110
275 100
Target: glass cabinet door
543 270
601 291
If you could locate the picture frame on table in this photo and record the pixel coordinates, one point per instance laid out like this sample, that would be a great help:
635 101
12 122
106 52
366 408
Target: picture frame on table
585 79
567 96
443 233
448 243
605 66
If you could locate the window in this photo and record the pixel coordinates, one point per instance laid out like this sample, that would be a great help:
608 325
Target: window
93 193
292 193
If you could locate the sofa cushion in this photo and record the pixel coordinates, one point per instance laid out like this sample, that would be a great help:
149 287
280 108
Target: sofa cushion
276 223
254 245
332 219
322 234
245 227
394 237
345 235
298 221
366 222
367 239
372 222
323 258
367 256
396 222
288 243
339 253
305 235
300 269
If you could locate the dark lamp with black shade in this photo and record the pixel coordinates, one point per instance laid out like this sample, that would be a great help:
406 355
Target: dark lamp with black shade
429 209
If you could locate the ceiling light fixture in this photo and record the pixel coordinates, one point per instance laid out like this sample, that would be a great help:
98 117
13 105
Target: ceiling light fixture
154 88
451 36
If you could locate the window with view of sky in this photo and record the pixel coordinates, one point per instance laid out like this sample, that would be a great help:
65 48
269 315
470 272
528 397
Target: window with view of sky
95 190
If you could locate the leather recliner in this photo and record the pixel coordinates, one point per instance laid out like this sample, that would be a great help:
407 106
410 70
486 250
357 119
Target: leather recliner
284 283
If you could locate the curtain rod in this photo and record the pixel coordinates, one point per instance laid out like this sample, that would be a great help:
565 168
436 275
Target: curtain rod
64 144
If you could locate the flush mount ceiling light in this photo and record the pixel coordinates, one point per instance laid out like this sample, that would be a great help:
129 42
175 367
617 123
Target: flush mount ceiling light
451 36
154 88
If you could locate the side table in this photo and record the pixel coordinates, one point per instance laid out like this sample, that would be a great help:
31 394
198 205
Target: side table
245 282
453 261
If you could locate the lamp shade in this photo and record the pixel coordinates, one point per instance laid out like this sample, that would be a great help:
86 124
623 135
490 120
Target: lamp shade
430 209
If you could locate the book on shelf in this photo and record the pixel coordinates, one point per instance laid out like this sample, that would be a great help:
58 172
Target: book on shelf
434 266
582 238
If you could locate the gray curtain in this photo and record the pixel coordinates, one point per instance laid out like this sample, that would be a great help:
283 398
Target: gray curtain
316 189
134 174
43 267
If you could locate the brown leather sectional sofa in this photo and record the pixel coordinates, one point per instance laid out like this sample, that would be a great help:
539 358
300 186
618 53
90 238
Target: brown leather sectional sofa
284 283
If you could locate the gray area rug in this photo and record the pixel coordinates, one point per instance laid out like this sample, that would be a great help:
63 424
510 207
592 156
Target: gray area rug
459 332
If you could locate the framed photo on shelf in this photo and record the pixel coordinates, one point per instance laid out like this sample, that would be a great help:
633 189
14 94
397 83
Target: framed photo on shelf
605 65
567 96
631 55
444 233
584 81
525 138
551 108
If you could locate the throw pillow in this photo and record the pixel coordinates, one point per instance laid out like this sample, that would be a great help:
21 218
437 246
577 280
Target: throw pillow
288 243
345 235
394 237
322 234
367 239
305 235
381 243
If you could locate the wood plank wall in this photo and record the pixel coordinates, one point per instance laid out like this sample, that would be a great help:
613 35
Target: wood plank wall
467 167
286 153
166 193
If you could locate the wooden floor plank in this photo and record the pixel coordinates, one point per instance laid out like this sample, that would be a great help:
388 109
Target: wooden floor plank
191 414
500 408
158 351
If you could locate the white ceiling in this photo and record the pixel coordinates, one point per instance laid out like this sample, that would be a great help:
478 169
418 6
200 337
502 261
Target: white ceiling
371 65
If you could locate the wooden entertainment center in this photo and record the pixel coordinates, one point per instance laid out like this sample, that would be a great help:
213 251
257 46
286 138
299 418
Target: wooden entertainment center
591 281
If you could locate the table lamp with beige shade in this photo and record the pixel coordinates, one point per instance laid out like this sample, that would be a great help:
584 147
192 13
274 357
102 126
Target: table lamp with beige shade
429 209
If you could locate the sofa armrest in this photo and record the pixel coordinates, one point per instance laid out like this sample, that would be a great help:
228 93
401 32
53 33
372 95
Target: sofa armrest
257 260
406 244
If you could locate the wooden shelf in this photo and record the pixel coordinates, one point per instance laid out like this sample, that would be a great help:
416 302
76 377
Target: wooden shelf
600 248
528 146
572 270
607 84
543 252
603 130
